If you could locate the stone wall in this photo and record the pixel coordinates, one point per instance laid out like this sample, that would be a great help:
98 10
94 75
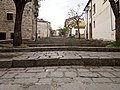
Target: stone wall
7 26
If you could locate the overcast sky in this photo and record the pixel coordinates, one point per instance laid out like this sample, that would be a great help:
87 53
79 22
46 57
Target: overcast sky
56 11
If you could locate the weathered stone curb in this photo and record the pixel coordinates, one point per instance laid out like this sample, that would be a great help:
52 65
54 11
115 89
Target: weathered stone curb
72 44
61 48
61 62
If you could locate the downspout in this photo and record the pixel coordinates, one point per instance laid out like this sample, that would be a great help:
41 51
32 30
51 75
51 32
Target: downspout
91 17
87 26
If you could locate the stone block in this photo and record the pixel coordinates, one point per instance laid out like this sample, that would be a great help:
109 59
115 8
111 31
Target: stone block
9 75
70 74
101 80
56 74
117 74
25 75
62 80
116 80
106 74
83 70
35 71
24 63
5 63
25 81
41 75
45 81
83 80
89 75
2 73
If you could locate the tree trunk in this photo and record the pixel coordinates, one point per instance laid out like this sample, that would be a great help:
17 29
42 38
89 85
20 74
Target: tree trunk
17 41
115 8
117 22
70 32
79 32
78 29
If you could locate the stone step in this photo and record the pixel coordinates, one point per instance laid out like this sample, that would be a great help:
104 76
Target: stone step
8 63
72 44
94 42
61 42
59 58
60 48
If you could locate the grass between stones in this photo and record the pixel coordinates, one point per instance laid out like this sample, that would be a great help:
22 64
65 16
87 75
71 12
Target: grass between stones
115 44
11 46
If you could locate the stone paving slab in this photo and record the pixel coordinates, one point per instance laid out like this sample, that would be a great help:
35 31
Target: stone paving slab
59 58
60 78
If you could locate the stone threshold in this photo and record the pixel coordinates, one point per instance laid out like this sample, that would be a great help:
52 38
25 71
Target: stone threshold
61 48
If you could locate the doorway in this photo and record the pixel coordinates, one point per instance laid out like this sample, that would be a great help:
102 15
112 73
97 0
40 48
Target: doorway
12 35
90 31
2 36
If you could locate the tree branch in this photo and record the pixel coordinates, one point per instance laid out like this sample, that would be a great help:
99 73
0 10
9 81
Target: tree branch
26 1
15 1
114 8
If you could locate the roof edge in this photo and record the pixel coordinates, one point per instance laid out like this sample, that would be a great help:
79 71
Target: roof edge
86 5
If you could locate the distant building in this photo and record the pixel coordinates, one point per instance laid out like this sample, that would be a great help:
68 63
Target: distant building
55 33
100 20
73 28
7 20
43 28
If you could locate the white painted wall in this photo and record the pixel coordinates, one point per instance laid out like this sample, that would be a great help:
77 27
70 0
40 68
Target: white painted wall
82 31
104 21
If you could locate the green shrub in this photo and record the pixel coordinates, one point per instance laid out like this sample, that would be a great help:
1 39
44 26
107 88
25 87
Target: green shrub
114 44
22 46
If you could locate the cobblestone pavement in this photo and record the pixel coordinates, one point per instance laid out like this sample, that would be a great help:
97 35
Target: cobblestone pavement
60 55
60 78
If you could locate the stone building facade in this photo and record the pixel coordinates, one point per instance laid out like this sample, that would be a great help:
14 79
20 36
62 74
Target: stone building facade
43 28
7 20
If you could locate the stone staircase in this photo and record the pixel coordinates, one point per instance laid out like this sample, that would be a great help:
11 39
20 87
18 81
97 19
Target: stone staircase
60 52
59 41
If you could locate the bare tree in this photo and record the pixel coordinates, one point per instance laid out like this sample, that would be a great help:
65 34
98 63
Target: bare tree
75 17
115 4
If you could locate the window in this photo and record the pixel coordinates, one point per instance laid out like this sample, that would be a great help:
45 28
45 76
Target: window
94 9
94 24
90 13
2 36
9 16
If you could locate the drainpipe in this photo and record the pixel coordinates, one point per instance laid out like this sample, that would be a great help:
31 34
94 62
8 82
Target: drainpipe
87 24
91 17
119 6
36 30
47 29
